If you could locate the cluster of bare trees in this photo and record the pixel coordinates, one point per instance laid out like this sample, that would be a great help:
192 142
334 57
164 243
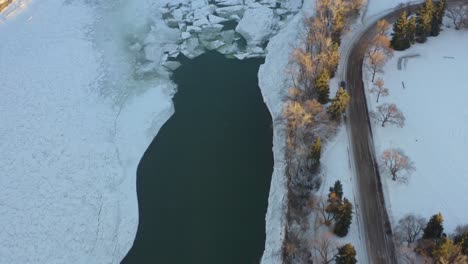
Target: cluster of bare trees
386 113
320 51
458 13
308 121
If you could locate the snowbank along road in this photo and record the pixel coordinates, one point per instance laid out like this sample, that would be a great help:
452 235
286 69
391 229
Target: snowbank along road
376 223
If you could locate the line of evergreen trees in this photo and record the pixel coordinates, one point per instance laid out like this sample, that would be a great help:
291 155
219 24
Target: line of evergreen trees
427 22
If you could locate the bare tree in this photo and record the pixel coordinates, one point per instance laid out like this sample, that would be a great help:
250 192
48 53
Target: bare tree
389 113
409 228
394 161
382 27
328 208
325 249
307 68
459 15
379 88
375 63
379 50
297 120
461 229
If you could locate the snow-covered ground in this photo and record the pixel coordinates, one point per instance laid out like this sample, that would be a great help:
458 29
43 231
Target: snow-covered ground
337 164
435 135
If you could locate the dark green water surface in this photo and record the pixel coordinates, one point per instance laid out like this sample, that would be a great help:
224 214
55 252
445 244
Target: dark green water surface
203 183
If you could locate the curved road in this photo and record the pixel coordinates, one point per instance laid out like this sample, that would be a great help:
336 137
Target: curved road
376 224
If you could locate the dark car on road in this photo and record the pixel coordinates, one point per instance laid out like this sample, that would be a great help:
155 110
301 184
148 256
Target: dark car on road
343 84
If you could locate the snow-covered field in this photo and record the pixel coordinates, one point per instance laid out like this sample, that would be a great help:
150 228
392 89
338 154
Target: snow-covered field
435 136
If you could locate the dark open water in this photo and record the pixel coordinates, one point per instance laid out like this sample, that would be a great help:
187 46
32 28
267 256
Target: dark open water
203 183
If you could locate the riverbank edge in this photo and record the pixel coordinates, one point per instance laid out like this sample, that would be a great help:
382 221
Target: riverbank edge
274 82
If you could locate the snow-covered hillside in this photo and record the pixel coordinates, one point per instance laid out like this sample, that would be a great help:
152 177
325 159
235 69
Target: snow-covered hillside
433 100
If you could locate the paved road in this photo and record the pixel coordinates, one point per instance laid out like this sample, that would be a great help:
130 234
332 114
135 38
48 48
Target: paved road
374 218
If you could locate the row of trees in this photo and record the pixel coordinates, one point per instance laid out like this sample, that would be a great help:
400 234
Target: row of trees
427 22
428 240
392 161
379 51
318 60
310 116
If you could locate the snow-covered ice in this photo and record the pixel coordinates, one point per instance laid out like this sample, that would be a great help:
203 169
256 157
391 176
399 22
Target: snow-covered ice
433 101
257 25
74 126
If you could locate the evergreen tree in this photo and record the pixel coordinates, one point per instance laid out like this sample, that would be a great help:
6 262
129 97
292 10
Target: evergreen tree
411 29
400 37
335 201
339 103
434 227
343 218
435 26
316 151
333 207
337 189
441 6
424 21
322 87
346 255
437 17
